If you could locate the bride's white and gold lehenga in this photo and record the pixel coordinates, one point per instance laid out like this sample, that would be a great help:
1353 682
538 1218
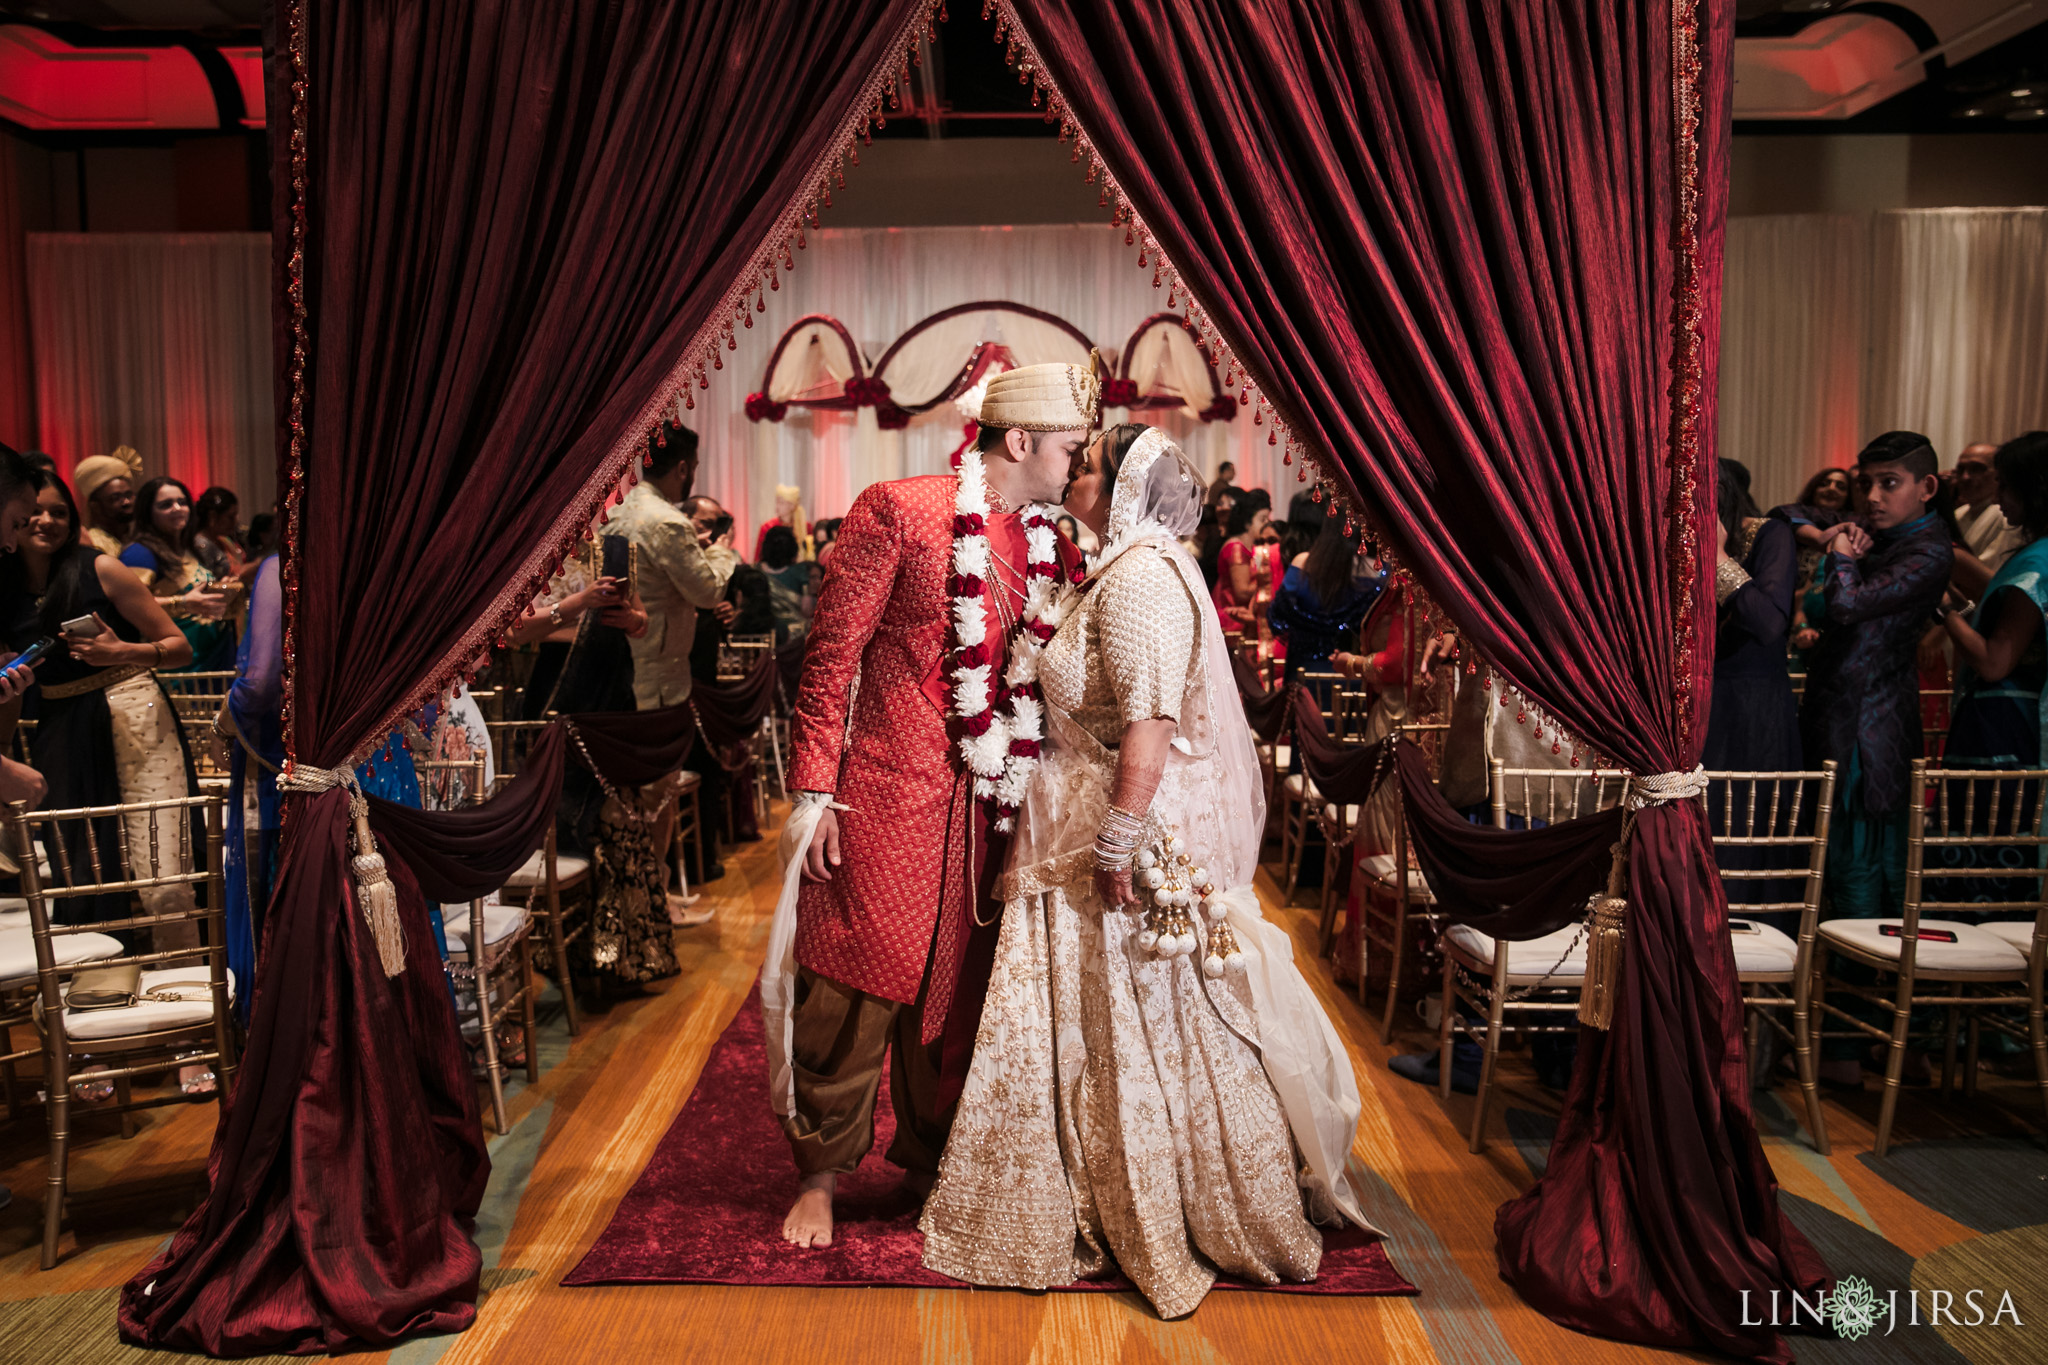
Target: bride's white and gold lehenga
1125 1110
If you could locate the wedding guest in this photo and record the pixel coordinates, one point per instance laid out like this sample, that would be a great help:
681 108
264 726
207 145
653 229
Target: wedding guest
792 597
825 533
1322 600
18 781
1224 484
677 579
1238 588
106 732
262 535
106 496
2002 665
217 536
162 557
1884 574
789 515
1754 723
1986 530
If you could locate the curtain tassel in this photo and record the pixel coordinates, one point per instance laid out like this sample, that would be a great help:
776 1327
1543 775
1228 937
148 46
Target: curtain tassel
1606 936
1607 923
375 893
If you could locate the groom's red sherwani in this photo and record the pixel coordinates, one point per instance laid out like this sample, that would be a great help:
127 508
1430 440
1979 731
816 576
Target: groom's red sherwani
872 726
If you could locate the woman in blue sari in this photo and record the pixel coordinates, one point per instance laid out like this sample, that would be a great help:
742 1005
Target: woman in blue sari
251 723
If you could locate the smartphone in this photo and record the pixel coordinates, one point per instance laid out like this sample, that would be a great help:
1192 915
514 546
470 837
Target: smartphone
81 625
1925 935
28 657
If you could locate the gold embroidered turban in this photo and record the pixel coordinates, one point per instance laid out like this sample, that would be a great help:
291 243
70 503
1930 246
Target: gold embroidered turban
1043 398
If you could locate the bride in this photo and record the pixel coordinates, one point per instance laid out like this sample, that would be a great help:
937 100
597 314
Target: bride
1154 1088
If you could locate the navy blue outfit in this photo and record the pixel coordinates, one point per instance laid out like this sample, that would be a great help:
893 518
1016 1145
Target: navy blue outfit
1315 630
1754 723
1862 704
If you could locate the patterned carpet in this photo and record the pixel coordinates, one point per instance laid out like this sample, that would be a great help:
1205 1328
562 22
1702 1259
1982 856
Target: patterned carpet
1961 1203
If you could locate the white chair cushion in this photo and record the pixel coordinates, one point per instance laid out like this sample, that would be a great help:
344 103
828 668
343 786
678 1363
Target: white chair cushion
150 1016
18 948
1283 754
2018 932
1300 788
1350 814
570 868
1380 867
1767 952
1974 950
500 923
1533 957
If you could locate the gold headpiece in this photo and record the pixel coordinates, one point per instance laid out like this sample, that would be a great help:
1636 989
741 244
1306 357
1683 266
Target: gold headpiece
1056 397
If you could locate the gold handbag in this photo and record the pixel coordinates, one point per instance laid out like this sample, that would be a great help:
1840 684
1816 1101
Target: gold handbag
111 987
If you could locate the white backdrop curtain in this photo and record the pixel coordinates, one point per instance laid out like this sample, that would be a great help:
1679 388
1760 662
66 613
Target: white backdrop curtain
1835 327
160 342
1838 327
880 281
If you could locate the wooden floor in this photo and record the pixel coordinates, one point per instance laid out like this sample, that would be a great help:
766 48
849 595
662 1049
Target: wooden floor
581 1135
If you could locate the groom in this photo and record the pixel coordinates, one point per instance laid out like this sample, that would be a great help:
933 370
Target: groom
893 872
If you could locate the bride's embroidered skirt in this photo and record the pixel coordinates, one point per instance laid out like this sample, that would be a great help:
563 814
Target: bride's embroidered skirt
1117 1116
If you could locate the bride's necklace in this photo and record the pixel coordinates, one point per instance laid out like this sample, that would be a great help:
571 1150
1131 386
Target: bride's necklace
1002 718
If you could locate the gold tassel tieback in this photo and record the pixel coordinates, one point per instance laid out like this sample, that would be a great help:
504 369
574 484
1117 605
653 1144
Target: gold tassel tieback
375 894
1607 921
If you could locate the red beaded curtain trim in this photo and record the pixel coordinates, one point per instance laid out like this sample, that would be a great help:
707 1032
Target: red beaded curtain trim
1687 355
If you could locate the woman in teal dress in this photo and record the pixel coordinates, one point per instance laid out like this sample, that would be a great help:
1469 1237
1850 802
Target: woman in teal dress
162 557
2001 649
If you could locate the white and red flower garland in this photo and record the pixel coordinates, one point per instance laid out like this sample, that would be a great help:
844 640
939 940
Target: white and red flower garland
1002 719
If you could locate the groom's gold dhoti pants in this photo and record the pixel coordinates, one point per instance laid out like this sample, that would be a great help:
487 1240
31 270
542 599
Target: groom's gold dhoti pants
839 1037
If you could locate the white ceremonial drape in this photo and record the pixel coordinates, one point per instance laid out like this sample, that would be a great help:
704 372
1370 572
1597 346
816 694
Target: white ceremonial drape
882 281
1834 328
1838 327
160 342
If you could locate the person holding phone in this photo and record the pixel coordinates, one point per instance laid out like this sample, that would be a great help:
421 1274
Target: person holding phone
105 730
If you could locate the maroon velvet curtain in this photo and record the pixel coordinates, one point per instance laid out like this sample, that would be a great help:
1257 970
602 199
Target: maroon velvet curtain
500 228
1470 252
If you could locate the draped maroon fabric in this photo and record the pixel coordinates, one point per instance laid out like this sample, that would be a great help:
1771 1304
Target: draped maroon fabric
1471 253
1513 884
500 230
731 712
1265 710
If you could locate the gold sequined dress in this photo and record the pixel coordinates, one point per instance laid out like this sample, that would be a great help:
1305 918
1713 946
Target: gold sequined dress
1118 1114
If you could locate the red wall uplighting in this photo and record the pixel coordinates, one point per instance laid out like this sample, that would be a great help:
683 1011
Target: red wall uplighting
47 84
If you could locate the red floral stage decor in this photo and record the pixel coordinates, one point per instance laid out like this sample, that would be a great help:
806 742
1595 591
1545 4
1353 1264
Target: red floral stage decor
708 1209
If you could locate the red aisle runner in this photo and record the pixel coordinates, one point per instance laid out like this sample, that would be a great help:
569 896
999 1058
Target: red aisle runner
708 1209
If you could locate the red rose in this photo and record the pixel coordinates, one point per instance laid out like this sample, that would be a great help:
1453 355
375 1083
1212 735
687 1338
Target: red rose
978 724
973 656
967 524
1024 748
965 585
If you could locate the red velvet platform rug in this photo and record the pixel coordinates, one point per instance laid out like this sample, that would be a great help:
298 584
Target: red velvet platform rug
708 1209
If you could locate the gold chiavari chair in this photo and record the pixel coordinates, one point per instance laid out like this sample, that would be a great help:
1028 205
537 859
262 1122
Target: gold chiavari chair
155 1009
554 887
738 654
1392 889
1974 845
197 698
1298 797
1495 976
490 954
1751 813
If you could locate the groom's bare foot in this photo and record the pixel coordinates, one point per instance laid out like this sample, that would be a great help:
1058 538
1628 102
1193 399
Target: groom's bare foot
810 1221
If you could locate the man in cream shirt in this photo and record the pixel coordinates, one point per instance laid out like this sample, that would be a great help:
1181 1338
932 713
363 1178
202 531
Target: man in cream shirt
1986 532
677 576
